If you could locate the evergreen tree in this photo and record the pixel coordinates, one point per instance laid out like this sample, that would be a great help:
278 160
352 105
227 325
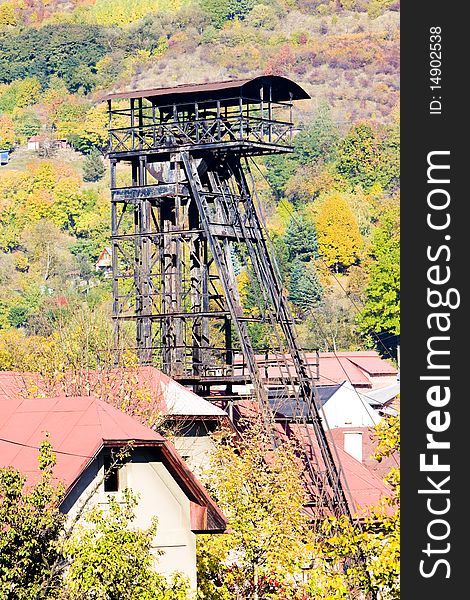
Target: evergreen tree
318 140
305 290
93 167
301 239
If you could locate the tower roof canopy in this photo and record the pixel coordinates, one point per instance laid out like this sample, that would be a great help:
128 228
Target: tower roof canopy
280 89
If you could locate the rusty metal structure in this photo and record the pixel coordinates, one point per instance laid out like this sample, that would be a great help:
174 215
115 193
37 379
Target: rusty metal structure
189 244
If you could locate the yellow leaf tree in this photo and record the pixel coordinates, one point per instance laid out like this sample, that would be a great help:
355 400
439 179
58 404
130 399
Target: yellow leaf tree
261 491
338 233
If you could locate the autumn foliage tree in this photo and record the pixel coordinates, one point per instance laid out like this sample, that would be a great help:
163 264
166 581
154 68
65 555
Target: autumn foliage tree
262 493
7 132
338 233
30 524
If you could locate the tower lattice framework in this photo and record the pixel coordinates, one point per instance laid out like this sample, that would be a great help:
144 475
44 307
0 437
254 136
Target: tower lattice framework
193 267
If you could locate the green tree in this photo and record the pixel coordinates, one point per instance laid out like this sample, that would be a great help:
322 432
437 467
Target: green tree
93 166
339 239
381 312
50 50
30 524
280 168
305 290
368 155
318 139
221 11
262 493
301 239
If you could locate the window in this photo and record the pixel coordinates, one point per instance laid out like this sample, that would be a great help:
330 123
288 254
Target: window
111 482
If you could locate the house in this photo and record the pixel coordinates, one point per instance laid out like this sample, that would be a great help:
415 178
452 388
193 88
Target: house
343 406
339 406
363 487
105 261
84 431
145 393
4 157
36 142
361 443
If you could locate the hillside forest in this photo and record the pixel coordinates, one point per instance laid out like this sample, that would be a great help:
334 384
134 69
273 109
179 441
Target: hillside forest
332 211
332 206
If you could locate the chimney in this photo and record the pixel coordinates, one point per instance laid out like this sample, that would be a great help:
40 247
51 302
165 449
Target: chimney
353 444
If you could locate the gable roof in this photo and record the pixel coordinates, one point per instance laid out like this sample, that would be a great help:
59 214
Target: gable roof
166 395
79 428
370 442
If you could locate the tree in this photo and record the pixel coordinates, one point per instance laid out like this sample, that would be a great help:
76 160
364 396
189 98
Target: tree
301 239
44 556
109 559
318 139
29 91
376 542
7 133
368 155
47 248
30 525
381 312
221 11
280 168
305 290
261 491
26 123
93 167
339 239
50 50
7 15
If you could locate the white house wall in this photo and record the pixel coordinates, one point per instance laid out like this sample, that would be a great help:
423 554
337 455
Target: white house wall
160 496
196 451
346 409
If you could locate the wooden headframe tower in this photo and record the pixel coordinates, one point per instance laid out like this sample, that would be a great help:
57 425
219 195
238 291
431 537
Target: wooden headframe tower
189 243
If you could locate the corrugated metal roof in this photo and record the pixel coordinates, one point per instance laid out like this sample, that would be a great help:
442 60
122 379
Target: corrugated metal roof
165 394
78 428
281 90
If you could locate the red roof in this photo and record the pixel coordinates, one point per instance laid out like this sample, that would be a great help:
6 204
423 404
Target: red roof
362 487
362 369
158 393
79 427
369 446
